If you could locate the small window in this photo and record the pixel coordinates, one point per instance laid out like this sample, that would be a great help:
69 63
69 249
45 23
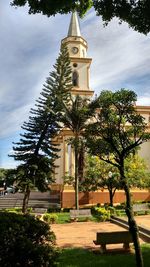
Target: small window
75 78
83 53
75 65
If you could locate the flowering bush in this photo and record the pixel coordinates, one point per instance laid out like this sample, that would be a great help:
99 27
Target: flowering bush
102 214
50 217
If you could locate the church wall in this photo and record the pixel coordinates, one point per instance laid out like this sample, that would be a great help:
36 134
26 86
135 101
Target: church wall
83 76
144 152
59 172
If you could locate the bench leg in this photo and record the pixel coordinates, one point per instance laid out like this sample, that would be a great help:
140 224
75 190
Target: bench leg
126 246
103 248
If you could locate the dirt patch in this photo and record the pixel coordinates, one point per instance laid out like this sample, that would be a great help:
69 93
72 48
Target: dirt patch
82 234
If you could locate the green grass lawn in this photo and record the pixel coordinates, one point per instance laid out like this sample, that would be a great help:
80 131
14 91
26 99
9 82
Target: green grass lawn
83 258
64 217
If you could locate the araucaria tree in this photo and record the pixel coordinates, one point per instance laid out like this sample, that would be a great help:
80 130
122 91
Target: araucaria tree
35 149
118 130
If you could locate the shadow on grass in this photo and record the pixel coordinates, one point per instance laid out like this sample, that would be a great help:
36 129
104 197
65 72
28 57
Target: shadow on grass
76 257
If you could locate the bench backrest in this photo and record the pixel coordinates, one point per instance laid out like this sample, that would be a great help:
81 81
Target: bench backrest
86 212
39 210
140 207
114 237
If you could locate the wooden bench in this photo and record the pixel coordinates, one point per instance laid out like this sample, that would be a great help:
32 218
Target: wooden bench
141 208
104 238
83 213
39 211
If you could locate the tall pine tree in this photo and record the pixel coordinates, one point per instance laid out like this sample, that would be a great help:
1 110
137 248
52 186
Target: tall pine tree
35 149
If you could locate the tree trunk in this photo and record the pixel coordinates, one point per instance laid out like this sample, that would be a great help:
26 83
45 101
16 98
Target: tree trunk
133 228
76 179
26 200
81 163
110 196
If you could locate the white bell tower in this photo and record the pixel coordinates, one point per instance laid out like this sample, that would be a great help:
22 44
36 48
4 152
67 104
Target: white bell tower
80 63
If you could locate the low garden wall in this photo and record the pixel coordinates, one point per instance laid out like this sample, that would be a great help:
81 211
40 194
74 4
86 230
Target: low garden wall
91 198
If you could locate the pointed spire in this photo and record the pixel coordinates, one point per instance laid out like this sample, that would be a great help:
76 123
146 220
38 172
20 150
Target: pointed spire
74 28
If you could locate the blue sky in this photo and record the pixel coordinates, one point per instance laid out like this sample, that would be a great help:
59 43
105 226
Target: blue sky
29 46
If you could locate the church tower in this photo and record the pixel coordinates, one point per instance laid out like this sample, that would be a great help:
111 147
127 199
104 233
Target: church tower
80 63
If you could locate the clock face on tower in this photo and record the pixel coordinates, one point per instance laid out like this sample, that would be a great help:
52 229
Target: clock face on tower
74 50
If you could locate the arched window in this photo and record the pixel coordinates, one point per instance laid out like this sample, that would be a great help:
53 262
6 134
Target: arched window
75 78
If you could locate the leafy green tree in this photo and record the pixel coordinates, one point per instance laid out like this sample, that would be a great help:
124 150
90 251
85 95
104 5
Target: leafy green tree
137 172
2 175
7 176
52 7
118 131
134 12
35 149
100 175
76 115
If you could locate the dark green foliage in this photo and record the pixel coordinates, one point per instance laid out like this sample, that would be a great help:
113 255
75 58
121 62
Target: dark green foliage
134 12
7 176
53 209
36 148
43 123
116 134
25 241
109 133
52 7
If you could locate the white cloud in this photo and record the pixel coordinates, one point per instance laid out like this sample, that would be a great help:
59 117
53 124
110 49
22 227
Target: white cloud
12 121
119 55
144 101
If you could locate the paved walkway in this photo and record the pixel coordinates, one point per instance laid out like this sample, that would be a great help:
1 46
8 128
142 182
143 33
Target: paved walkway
82 234
143 220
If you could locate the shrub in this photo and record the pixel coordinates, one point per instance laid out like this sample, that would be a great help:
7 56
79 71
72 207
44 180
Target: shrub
102 214
120 206
18 210
53 209
65 210
112 210
50 217
26 241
